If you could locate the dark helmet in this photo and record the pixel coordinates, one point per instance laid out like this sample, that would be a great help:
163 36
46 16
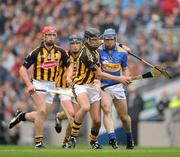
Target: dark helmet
92 33
75 38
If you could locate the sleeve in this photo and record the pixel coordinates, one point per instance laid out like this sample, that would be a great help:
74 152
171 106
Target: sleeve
124 60
30 58
88 59
65 58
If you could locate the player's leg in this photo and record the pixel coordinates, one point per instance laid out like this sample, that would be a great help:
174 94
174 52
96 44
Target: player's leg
121 108
37 117
95 114
106 105
58 121
68 110
68 129
84 102
68 106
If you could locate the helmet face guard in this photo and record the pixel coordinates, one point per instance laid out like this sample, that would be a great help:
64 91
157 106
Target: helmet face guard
92 37
94 42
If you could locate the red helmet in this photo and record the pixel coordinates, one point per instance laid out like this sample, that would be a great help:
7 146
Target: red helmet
49 29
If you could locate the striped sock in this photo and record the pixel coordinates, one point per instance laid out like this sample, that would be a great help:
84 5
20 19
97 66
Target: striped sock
38 139
94 135
65 139
75 129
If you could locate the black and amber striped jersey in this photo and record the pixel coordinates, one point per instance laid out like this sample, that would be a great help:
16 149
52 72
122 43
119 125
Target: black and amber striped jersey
61 77
47 63
87 63
73 61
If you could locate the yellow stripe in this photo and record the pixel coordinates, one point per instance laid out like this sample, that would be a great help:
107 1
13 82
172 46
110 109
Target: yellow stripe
38 67
75 134
38 138
58 71
93 138
45 59
52 69
120 49
76 126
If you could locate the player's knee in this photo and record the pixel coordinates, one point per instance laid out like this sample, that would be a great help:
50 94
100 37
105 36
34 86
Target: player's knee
43 113
107 110
124 118
85 108
71 113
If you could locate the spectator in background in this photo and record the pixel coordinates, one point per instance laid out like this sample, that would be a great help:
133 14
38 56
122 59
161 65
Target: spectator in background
135 106
169 6
20 23
163 104
2 129
174 122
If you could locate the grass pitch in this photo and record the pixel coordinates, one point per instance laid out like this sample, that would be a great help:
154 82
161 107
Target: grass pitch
85 151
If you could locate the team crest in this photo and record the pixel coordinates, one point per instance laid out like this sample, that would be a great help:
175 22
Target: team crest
110 59
49 56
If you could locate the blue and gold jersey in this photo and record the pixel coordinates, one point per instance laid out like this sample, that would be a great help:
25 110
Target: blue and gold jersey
112 62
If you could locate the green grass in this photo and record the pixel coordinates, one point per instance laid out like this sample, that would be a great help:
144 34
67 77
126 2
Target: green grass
85 151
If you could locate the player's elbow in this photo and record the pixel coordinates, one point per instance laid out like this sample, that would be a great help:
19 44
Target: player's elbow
22 70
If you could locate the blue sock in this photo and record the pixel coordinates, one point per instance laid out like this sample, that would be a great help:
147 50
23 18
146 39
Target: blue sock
112 135
129 136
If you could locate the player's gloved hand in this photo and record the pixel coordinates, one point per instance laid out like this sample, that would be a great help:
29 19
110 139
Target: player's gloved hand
125 80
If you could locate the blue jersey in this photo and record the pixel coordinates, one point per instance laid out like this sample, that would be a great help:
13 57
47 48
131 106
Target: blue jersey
112 62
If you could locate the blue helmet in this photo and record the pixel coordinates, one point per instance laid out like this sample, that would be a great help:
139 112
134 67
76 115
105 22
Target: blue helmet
109 33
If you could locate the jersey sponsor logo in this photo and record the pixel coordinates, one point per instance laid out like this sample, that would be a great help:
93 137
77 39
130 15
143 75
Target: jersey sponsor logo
49 64
111 67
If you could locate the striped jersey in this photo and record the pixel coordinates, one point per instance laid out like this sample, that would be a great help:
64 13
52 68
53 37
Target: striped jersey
47 63
87 63
62 74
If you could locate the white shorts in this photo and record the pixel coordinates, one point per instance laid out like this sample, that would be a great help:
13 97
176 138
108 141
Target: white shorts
93 94
41 84
66 97
116 91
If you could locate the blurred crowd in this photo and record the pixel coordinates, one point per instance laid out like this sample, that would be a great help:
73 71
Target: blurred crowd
151 28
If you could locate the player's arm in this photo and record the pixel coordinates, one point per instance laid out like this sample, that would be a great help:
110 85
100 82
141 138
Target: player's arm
123 79
124 64
126 72
70 71
23 71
